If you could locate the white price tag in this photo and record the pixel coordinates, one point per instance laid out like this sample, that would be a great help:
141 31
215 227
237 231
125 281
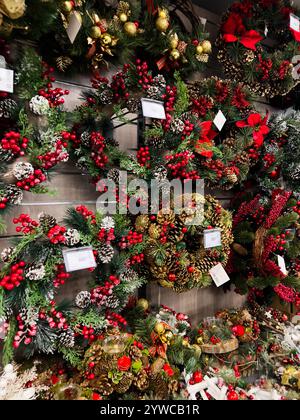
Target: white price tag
220 120
219 275
153 109
266 31
294 22
6 80
79 259
212 238
74 26
282 266
203 21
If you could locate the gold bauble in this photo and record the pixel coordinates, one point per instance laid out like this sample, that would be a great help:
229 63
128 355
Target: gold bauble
159 328
199 49
123 17
130 28
106 39
169 335
96 32
207 48
200 340
143 304
175 55
67 6
162 24
174 43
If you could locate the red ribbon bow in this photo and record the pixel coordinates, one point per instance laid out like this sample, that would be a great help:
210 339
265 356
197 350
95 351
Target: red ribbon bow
234 30
205 144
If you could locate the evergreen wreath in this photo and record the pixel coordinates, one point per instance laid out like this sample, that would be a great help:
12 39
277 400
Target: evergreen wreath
257 45
264 228
280 158
32 122
33 271
187 146
175 254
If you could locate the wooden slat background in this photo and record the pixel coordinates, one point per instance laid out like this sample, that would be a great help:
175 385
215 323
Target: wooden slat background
72 189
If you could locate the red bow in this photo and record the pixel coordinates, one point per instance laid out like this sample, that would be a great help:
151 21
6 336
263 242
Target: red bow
234 30
205 144
259 125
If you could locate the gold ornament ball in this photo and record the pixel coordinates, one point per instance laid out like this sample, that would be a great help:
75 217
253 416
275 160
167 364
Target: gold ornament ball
130 28
106 39
123 17
207 48
175 55
199 49
159 328
143 304
96 32
67 6
174 43
169 335
162 24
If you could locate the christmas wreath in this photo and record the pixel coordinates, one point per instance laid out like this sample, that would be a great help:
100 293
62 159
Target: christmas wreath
31 124
110 33
33 271
265 255
257 45
175 253
187 145
280 158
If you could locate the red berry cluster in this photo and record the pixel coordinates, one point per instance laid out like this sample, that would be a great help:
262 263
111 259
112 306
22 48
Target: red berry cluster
70 137
15 277
264 67
188 129
54 96
106 236
132 238
88 333
87 214
52 158
32 181
196 378
28 225
25 333
99 294
202 105
145 78
217 166
99 81
55 319
14 143
214 340
143 156
98 146
118 84
283 69
169 98
3 202
61 276
136 259
296 208
269 160
138 345
56 235
115 320
178 164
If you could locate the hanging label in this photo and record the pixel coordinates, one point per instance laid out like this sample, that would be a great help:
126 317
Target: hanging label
282 266
220 120
74 26
79 259
219 275
6 80
2 62
212 238
294 22
203 21
266 31
153 109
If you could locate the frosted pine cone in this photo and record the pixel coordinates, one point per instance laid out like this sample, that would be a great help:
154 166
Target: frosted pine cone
6 254
107 223
83 299
72 237
154 92
22 170
114 175
112 302
177 126
85 139
106 97
39 105
67 338
106 254
128 275
46 222
13 194
35 272
160 81
7 108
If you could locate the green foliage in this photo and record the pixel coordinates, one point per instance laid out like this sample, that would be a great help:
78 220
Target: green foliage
263 282
30 74
72 356
182 99
8 352
90 318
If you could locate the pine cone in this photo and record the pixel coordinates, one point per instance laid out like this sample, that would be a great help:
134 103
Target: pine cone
159 387
104 386
230 142
165 218
67 338
7 108
154 231
125 383
106 253
173 387
242 159
83 299
141 381
72 237
6 254
114 175
135 353
13 194
142 223
46 222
